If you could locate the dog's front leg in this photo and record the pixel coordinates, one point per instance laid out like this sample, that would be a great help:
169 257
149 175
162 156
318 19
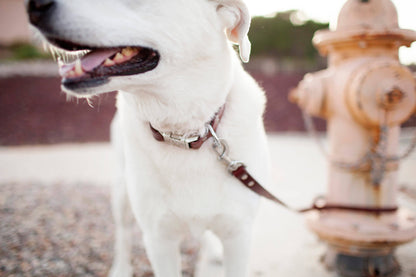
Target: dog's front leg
236 253
164 255
122 248
121 209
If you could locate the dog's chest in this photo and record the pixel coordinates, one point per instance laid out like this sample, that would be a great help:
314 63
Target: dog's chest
206 206
190 192
191 207
197 192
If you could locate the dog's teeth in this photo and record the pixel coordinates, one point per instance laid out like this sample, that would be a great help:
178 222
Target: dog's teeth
71 74
128 52
119 58
109 62
60 62
78 68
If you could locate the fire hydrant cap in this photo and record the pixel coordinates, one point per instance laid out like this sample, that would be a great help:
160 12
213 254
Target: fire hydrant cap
368 15
365 20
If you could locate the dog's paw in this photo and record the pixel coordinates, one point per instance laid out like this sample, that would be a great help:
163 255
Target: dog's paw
121 270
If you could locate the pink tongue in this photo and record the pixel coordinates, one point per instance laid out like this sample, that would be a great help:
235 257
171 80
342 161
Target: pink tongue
96 57
90 60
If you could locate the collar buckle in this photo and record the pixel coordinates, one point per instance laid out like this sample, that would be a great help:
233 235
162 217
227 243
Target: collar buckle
179 140
191 141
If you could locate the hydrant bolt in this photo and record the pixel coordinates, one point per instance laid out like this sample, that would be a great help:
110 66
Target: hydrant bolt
391 98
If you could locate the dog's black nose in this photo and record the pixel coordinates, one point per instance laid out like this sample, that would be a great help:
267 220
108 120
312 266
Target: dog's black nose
39 11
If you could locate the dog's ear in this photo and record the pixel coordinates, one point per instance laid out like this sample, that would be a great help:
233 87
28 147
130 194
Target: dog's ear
236 20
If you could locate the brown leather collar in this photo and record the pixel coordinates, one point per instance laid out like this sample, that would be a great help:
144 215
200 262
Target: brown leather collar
190 141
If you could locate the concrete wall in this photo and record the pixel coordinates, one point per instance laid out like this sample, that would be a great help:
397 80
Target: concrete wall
13 22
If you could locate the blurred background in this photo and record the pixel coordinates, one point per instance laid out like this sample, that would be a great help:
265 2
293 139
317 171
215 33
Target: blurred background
34 111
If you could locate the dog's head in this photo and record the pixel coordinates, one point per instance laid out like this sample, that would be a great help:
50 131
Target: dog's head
128 43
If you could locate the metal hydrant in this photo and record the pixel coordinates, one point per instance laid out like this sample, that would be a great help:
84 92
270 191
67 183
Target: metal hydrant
365 95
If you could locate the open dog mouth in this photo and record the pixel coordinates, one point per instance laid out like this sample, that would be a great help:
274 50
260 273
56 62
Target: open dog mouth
97 65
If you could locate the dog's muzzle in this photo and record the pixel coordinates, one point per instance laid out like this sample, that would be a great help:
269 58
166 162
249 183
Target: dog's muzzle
94 64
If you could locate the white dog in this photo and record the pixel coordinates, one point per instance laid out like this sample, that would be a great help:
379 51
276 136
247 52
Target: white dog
176 72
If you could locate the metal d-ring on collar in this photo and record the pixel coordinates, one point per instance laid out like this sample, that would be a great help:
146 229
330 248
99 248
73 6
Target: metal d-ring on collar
221 148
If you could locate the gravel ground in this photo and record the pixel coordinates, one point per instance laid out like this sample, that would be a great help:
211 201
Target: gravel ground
64 230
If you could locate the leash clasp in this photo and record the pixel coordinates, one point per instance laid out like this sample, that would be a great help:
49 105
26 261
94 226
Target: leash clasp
220 146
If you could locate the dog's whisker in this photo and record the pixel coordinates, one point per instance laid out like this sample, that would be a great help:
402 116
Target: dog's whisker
56 53
90 102
52 51
45 45
62 55
69 97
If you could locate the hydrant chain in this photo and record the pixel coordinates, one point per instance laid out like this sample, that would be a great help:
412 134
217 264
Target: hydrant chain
376 157
310 126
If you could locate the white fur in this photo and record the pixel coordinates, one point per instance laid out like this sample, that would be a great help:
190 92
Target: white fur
174 192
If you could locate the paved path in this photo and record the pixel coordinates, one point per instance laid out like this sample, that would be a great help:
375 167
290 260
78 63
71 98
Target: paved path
282 245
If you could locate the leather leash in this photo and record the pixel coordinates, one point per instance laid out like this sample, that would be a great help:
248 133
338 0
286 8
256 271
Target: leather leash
239 170
319 204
